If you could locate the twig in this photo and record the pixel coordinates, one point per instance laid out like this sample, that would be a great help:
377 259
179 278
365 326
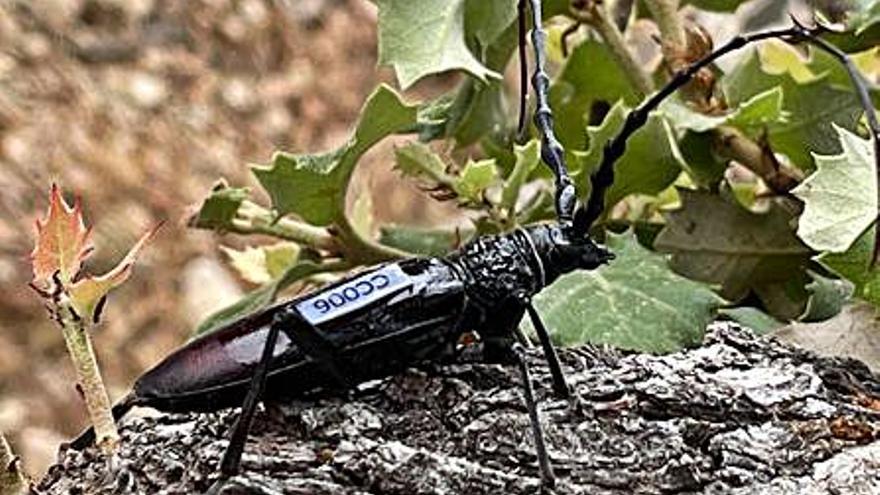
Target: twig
593 13
674 45
12 479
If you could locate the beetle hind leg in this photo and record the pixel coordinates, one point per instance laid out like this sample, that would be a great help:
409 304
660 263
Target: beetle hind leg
314 345
231 462
548 479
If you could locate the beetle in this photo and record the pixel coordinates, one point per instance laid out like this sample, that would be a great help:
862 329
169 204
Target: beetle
380 321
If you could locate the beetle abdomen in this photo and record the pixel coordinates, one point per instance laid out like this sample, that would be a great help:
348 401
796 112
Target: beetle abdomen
413 314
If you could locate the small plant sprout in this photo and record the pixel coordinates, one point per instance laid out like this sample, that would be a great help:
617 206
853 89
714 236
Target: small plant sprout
75 300
12 479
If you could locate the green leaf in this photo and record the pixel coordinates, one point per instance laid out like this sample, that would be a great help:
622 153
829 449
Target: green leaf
482 111
855 266
760 322
486 20
257 299
590 75
261 265
475 179
419 160
313 186
702 165
650 164
840 198
715 5
756 112
422 241
865 13
219 209
527 158
252 302
713 239
827 297
636 302
786 298
423 38
810 103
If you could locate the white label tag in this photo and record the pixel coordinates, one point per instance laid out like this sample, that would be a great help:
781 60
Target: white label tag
354 294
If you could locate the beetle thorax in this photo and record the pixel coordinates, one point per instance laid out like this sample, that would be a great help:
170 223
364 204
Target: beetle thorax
499 268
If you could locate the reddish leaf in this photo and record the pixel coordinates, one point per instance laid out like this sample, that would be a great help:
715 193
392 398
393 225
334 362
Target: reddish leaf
62 241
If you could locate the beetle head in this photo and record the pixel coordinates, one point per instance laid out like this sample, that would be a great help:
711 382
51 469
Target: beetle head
562 252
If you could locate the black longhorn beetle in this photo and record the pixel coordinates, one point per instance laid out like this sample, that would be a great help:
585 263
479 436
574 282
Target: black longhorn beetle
396 315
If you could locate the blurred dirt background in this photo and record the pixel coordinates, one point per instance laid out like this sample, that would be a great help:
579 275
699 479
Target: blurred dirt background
139 107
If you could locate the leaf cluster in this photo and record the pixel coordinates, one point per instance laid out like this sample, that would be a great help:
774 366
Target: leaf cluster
751 194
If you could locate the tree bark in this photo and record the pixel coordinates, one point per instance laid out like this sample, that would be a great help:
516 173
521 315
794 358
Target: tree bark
738 415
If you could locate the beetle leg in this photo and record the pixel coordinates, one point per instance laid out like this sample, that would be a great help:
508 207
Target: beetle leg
548 479
560 385
317 347
231 462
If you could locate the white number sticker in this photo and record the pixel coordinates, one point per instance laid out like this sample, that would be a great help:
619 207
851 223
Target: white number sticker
354 294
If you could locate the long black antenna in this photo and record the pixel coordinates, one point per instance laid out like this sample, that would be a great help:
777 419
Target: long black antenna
602 179
551 149
523 65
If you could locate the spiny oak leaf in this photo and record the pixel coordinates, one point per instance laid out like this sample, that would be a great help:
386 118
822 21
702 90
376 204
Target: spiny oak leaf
419 161
423 38
840 197
313 186
650 164
220 208
756 112
62 241
714 239
814 98
87 292
591 75
635 302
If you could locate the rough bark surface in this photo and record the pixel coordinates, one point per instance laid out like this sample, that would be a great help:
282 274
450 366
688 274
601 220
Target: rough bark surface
738 415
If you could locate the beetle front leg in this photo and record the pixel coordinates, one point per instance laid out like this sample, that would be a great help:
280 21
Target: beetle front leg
560 384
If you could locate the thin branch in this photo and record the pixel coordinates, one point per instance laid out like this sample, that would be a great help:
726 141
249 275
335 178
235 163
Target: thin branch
12 479
665 13
595 15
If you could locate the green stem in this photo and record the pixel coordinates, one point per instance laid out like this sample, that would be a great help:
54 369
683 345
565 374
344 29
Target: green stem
75 331
12 479
254 219
597 17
